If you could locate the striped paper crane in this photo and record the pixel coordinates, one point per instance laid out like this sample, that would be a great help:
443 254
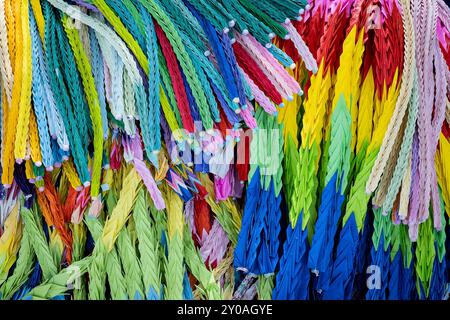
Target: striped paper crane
258 242
386 91
382 242
303 199
348 96
320 258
